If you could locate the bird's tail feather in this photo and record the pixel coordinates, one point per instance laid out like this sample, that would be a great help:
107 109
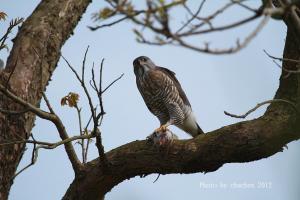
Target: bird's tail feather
199 130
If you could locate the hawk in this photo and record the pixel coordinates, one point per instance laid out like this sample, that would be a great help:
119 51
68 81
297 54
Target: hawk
164 96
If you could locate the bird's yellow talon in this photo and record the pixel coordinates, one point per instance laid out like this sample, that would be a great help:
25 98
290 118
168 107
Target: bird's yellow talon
162 128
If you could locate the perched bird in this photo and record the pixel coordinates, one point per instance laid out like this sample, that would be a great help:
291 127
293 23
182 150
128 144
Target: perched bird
164 96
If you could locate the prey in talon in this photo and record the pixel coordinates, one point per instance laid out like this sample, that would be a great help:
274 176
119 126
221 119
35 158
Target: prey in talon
162 138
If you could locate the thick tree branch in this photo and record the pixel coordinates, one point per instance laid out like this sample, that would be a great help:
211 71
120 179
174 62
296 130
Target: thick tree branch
242 142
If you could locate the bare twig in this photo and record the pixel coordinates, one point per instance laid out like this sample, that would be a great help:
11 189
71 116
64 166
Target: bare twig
34 156
93 28
13 23
261 104
156 178
221 28
131 15
88 141
97 90
208 20
155 17
95 117
83 149
48 145
96 130
48 103
230 50
100 86
43 145
23 141
193 15
83 86
113 82
289 71
281 59
83 63
238 2
177 38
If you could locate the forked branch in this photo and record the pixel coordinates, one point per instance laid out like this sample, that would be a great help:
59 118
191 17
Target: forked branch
155 17
50 117
96 116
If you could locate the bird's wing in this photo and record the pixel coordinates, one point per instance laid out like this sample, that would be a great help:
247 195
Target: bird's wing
172 76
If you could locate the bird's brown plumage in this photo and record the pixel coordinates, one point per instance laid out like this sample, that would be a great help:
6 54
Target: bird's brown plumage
164 96
172 76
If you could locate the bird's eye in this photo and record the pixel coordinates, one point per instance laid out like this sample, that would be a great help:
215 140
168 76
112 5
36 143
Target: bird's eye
144 59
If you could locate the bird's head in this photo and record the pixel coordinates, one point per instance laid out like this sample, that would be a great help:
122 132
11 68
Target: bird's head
142 64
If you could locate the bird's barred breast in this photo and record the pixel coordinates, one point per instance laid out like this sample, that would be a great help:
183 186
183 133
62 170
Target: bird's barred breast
158 91
161 87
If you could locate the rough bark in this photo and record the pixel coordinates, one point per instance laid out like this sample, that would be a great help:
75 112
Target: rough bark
242 142
33 58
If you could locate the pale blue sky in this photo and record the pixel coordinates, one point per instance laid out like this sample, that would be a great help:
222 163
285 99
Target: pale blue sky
213 84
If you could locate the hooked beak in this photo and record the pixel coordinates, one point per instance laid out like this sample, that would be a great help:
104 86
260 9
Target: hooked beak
135 62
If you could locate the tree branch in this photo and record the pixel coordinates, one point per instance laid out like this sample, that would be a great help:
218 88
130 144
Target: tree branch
48 145
51 117
34 156
280 59
242 142
261 104
13 23
42 114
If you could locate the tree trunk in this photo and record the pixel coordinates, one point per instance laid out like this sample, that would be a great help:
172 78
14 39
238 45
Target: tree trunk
33 59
